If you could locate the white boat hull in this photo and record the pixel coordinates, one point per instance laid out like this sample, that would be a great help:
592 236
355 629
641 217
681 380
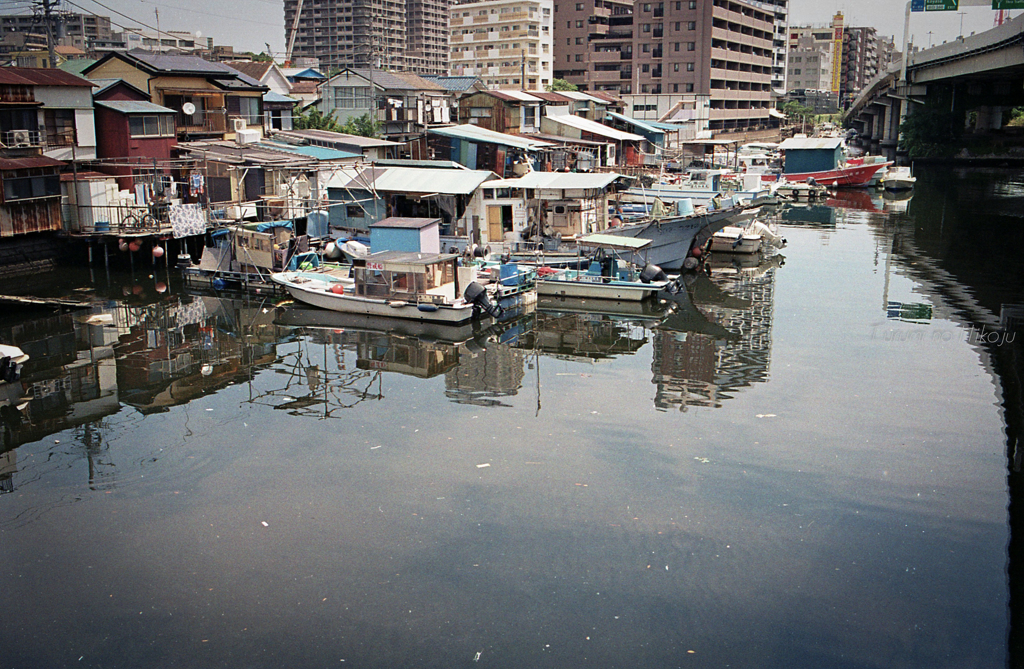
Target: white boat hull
319 296
672 238
597 291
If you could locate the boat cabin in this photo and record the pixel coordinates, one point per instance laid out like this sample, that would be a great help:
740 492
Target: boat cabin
422 278
811 154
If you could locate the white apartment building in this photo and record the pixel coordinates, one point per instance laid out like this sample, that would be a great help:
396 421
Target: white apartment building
507 43
810 59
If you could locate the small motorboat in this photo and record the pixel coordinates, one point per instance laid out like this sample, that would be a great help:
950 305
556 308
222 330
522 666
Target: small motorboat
898 178
607 275
750 239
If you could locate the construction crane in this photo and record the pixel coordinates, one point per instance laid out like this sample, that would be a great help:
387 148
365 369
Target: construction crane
291 35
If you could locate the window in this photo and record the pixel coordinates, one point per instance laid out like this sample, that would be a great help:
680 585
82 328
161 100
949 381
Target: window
646 48
579 58
579 24
679 25
689 88
647 27
691 46
796 71
691 25
355 97
249 109
675 88
675 67
647 6
675 47
689 67
140 125
353 211
693 4
26 188
579 6
579 40
645 67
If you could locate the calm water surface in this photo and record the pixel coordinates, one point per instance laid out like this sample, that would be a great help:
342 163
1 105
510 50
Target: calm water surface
810 463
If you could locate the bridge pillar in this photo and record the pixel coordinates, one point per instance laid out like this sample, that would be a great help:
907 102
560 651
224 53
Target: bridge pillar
989 118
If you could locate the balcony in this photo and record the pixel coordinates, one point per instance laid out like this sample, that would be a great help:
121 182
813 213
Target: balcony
605 57
202 122
21 138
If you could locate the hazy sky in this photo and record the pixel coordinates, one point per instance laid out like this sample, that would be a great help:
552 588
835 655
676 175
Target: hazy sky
248 24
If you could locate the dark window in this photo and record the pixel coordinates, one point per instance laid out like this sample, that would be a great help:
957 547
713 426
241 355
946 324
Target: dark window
26 188
151 126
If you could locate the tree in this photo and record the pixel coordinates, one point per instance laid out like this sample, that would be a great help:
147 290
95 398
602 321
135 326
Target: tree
796 111
363 126
561 85
930 131
313 119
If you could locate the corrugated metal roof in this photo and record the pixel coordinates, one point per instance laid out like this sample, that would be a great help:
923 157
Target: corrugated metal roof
581 96
134 107
518 96
37 76
411 180
28 162
551 96
558 181
827 143
477 134
339 137
454 83
318 152
594 127
636 122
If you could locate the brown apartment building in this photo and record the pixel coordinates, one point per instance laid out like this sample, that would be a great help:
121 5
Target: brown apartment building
718 48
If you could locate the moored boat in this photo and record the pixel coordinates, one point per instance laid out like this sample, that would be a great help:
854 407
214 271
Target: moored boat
607 276
823 160
898 178
395 284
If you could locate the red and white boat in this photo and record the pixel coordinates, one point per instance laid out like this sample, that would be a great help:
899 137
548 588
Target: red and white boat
846 175
823 159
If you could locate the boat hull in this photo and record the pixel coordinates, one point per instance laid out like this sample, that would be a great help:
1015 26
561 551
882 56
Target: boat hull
852 176
353 304
672 238
582 289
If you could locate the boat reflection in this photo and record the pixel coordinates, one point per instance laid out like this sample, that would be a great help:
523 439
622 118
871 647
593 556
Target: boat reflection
705 353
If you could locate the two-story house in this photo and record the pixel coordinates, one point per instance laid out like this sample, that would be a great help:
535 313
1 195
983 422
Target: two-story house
208 98
406 104
47 109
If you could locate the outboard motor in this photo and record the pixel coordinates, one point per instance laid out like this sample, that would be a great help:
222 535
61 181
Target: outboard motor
811 181
184 261
652 273
476 295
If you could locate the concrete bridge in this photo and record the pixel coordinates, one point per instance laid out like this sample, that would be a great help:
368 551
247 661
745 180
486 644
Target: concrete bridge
983 73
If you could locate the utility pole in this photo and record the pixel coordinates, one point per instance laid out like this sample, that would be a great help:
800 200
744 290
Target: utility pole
48 21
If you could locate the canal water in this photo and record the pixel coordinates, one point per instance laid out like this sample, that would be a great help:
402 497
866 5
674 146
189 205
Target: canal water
808 462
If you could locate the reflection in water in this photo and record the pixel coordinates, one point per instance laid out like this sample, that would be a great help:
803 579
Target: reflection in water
720 340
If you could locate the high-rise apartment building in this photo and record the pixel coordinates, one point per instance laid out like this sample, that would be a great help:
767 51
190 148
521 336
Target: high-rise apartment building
507 43
724 49
780 41
73 29
860 60
400 35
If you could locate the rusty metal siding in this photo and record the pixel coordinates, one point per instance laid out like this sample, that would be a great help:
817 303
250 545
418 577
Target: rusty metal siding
22 218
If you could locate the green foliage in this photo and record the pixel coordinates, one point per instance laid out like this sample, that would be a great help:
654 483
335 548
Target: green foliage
358 125
361 125
1016 117
930 131
313 119
561 85
796 111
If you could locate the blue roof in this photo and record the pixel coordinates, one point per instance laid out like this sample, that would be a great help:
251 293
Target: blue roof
277 97
318 152
636 123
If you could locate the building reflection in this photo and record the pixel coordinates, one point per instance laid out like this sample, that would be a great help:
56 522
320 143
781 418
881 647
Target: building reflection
719 339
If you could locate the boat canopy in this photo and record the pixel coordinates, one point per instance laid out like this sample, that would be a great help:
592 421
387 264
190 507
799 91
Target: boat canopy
613 242
401 261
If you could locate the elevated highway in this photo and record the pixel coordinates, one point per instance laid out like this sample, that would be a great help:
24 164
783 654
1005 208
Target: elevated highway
983 73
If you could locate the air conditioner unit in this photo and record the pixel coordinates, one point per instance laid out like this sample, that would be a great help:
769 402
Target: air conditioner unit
247 136
239 124
21 137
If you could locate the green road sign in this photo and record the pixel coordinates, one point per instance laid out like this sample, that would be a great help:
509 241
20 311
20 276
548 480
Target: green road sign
944 5
1007 4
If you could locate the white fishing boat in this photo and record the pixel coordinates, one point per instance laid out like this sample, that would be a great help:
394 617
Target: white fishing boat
750 239
396 284
608 275
898 178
